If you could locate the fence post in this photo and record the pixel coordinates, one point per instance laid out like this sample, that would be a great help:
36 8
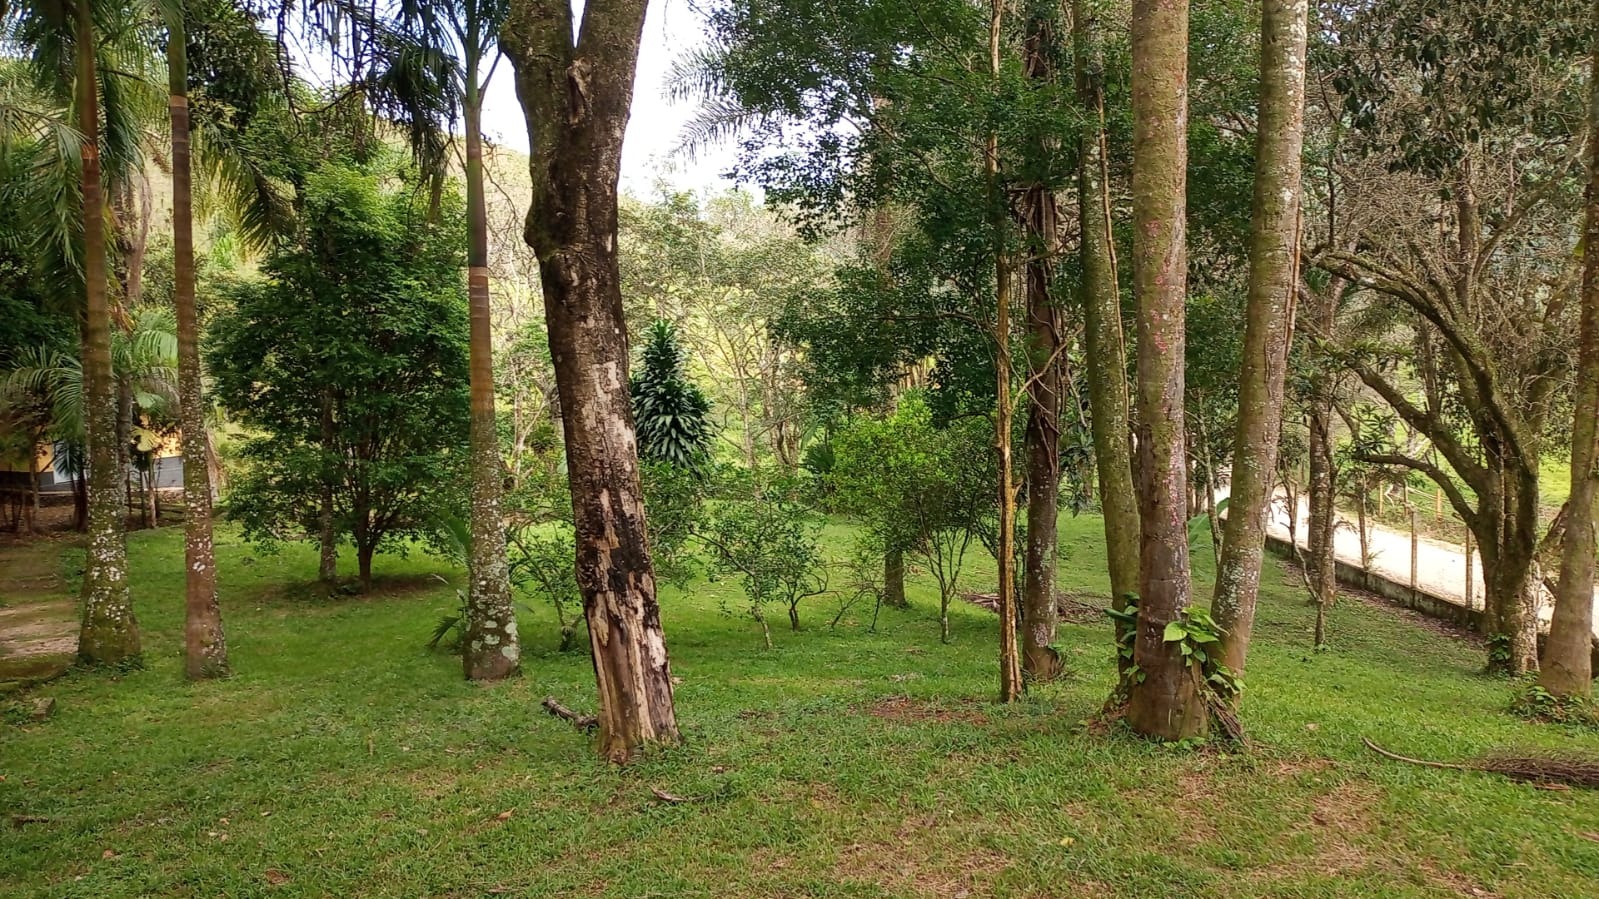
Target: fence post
1413 553
1365 545
1438 503
1471 575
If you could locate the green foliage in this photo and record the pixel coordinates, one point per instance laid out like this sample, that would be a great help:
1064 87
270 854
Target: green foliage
770 542
1537 704
543 562
671 413
362 319
1198 637
674 506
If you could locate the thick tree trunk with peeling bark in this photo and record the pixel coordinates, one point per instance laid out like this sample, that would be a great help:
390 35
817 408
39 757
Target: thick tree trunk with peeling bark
1568 657
1104 343
109 634
576 100
1040 218
1165 701
205 646
1273 264
491 649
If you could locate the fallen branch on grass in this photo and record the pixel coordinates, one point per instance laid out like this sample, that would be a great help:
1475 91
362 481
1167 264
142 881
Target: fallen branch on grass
581 722
1536 768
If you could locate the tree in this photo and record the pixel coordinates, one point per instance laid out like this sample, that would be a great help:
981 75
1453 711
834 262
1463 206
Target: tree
351 358
576 90
1273 264
771 543
915 485
205 647
670 411
1454 213
1165 700
1567 668
1100 298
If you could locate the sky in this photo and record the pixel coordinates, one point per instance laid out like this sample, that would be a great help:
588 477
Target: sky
656 126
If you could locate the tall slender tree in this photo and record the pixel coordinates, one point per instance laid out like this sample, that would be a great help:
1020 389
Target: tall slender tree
1010 671
1273 262
1567 668
109 633
1039 211
1103 339
1165 700
205 647
576 91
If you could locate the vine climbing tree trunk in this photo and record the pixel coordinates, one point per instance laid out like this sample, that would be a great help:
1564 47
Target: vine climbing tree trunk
1103 339
1273 277
109 634
576 96
1039 212
1164 701
491 647
1567 668
205 646
1010 670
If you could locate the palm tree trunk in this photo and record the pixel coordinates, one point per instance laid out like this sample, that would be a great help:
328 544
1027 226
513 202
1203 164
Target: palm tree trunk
204 644
491 648
1166 703
110 632
1273 255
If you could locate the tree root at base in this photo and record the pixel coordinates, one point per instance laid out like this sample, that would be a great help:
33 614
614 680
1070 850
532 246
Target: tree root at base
583 723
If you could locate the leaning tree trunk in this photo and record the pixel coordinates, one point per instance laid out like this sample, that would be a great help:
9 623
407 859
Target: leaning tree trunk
1103 339
491 649
1010 670
1568 657
1166 704
109 633
205 647
1040 215
576 100
1273 256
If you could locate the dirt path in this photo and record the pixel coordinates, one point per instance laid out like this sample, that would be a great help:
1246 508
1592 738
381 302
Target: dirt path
38 619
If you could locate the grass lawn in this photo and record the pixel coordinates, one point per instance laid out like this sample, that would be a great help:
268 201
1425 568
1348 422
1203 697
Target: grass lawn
344 759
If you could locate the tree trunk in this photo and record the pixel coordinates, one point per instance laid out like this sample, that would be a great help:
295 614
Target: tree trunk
1568 656
1273 257
327 534
491 648
894 578
110 632
1040 215
1166 703
205 647
34 502
1103 339
576 100
1010 671
364 551
1507 535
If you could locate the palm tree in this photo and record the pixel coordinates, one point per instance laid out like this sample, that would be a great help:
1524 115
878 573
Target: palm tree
434 67
205 647
65 40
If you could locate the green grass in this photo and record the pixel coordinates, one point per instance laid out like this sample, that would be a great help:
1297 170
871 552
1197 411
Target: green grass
345 760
